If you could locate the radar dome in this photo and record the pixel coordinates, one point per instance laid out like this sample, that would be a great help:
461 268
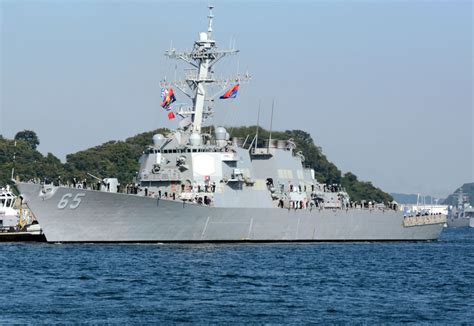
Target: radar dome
220 133
195 139
158 140
203 36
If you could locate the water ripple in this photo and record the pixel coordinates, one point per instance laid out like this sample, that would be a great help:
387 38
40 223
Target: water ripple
346 283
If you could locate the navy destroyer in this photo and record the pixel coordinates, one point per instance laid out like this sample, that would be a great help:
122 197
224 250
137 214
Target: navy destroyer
462 214
194 186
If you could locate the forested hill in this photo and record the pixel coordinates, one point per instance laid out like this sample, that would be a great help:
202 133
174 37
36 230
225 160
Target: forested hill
120 159
113 158
29 162
468 191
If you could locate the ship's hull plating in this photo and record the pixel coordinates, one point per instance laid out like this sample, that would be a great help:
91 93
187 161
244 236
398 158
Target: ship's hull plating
462 222
77 215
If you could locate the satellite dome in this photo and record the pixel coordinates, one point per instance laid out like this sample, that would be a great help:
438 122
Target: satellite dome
158 140
220 133
195 139
203 36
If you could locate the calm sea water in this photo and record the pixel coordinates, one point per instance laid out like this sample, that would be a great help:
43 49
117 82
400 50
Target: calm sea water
422 282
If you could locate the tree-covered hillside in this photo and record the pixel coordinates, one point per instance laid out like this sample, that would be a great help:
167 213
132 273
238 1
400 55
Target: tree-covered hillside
120 159
468 191
114 158
29 163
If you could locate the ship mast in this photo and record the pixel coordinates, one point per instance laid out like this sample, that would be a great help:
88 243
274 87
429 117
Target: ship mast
202 57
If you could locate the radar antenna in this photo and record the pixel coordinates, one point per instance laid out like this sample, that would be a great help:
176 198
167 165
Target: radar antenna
202 58
210 16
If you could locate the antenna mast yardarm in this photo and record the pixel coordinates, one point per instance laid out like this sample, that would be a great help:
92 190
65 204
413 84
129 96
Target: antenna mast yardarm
202 57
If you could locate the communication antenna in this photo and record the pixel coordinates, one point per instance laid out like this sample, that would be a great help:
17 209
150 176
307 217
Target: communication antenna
258 121
200 77
271 124
14 159
211 16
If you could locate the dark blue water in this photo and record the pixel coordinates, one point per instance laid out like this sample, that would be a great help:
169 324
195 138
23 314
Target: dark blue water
422 282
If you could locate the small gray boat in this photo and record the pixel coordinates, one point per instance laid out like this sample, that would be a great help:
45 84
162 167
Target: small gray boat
462 214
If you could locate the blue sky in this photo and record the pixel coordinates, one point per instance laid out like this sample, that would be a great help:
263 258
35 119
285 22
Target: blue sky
384 87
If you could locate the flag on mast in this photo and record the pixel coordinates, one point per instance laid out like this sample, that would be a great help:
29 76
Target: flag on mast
164 92
168 99
231 92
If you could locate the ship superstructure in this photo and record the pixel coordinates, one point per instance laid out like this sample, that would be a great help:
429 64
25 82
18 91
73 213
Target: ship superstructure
462 214
198 186
208 168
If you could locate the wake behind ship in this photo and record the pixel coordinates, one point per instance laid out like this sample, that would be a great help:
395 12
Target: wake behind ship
204 187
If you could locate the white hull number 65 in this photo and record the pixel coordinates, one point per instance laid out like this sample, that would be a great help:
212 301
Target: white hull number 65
75 202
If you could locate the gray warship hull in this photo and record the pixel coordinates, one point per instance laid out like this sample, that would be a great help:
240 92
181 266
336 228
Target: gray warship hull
459 222
94 216
222 190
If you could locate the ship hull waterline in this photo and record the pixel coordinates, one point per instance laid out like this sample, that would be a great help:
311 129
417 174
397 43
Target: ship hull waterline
459 222
80 215
22 237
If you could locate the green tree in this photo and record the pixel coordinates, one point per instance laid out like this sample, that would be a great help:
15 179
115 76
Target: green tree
29 137
360 190
467 189
28 163
117 159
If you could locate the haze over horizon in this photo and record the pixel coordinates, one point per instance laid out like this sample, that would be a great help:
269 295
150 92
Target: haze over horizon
385 88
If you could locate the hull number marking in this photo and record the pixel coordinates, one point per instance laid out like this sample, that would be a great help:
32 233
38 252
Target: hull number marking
75 202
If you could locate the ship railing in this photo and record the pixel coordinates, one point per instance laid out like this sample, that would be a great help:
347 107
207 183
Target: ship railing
423 220
200 198
164 176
